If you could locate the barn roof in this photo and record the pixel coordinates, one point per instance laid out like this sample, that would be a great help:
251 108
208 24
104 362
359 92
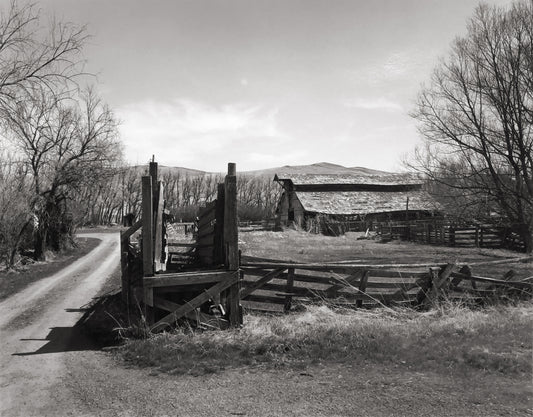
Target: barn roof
390 179
365 202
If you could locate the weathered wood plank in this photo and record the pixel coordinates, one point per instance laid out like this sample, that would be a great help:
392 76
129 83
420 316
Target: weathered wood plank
159 262
197 301
198 316
206 240
186 278
147 218
518 284
245 292
128 233
362 288
289 287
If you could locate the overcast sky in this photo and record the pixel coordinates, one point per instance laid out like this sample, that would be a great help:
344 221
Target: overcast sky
265 83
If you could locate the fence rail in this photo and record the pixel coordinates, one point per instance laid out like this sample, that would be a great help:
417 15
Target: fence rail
449 234
276 286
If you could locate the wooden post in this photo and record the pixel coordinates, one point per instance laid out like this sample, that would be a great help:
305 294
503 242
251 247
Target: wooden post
362 288
152 171
452 236
476 237
288 289
124 243
439 280
231 242
158 232
218 251
147 243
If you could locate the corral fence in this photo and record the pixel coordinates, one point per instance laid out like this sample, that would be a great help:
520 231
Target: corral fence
334 227
445 232
265 224
275 286
204 291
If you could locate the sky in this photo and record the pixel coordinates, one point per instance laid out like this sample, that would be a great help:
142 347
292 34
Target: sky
265 83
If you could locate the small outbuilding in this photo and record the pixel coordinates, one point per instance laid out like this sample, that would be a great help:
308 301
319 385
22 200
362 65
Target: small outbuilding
311 201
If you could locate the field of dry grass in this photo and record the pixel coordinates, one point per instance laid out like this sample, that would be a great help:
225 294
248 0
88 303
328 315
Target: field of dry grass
299 246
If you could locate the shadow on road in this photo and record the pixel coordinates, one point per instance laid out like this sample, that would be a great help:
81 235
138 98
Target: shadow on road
64 339
97 328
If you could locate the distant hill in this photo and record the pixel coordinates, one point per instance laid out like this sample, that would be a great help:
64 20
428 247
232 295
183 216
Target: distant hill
318 168
174 170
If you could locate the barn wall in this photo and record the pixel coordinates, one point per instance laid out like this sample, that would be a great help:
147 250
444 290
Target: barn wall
283 209
298 210
289 203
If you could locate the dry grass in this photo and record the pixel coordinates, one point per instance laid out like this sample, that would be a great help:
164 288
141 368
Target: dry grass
293 245
452 337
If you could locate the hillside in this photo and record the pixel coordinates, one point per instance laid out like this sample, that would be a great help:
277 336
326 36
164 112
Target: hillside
318 168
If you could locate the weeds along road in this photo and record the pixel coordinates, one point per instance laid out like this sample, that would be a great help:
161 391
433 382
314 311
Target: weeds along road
37 334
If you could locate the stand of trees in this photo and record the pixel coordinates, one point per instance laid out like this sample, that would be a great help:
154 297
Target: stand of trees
61 138
476 116
107 202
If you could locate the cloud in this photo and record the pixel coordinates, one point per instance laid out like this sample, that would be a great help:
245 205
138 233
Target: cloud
379 103
186 132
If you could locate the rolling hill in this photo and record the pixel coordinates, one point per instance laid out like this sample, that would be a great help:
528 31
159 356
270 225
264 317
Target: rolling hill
318 168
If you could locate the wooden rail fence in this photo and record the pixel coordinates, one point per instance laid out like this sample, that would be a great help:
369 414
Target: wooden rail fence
440 232
271 285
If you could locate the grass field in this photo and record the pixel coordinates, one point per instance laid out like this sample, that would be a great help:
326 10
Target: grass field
293 245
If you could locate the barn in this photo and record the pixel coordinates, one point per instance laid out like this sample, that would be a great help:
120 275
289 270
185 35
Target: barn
311 199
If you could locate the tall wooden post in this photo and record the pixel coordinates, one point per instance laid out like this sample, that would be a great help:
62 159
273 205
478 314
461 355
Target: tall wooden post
147 243
231 242
288 290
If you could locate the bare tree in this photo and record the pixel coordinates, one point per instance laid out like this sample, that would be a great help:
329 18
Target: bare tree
477 115
32 55
65 143
15 212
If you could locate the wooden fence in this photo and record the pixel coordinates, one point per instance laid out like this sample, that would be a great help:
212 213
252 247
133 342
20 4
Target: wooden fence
209 240
271 285
438 232
266 224
211 286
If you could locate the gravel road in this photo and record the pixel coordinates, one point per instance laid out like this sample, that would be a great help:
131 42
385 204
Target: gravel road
37 331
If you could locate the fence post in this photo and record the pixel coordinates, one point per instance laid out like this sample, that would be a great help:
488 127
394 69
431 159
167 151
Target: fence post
124 244
362 288
231 242
439 280
476 238
288 290
452 236
147 243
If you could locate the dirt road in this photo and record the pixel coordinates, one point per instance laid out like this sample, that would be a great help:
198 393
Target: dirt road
37 331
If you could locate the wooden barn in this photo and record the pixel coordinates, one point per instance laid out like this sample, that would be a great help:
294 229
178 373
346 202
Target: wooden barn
310 199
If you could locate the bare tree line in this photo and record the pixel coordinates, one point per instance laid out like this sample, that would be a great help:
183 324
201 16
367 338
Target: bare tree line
107 202
58 138
476 116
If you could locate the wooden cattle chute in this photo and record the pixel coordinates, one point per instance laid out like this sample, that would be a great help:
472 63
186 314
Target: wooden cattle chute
444 232
214 279
275 285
